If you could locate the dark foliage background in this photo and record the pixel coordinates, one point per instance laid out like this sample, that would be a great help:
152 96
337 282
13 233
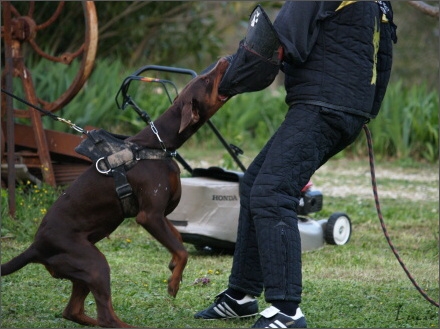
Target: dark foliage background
193 34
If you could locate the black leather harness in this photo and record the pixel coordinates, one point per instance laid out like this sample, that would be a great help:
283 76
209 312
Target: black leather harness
113 156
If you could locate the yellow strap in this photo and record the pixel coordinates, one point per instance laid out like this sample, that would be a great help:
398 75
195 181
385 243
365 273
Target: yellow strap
346 3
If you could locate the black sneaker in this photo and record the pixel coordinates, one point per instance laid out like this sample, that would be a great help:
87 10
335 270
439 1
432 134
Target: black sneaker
272 318
225 307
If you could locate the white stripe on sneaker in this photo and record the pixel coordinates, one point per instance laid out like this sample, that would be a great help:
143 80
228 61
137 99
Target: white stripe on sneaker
219 312
280 324
224 310
228 309
277 324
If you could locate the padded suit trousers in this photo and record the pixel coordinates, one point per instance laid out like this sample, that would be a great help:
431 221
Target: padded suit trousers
268 249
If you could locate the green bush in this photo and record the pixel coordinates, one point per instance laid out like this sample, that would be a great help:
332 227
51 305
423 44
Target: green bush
32 203
406 127
407 124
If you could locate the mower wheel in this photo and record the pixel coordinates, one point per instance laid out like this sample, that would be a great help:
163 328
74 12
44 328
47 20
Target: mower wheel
338 229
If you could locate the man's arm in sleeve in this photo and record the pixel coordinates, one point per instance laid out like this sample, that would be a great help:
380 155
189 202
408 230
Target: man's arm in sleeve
297 26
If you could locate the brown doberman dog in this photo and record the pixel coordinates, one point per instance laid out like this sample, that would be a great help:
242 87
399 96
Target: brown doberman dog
89 209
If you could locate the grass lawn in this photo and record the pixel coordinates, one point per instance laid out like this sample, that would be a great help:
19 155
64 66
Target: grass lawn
358 285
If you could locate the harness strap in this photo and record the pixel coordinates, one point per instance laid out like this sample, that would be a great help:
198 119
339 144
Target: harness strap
118 163
153 154
129 158
124 191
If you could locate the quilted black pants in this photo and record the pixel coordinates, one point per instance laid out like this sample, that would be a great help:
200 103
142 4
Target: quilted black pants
268 249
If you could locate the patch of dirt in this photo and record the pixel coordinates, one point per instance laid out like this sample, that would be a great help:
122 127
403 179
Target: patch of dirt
340 178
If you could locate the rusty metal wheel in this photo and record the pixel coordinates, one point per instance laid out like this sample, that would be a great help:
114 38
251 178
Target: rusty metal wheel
25 29
24 24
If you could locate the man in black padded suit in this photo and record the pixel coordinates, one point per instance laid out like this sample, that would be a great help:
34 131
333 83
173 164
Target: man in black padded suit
336 56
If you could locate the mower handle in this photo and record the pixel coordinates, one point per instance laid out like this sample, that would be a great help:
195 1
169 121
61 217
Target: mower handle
165 69
124 88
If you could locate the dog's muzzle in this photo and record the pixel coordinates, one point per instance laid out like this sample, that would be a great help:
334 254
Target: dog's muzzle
257 61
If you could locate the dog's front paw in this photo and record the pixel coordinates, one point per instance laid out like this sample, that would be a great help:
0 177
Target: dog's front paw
173 286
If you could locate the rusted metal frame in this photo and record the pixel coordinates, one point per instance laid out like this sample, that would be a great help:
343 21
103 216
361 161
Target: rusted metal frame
24 74
87 50
66 58
40 136
53 18
90 48
9 107
22 29
59 143
13 11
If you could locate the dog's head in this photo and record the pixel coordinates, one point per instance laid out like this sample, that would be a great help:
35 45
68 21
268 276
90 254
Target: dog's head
200 100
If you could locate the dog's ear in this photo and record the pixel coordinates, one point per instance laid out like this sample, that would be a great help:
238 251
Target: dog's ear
190 115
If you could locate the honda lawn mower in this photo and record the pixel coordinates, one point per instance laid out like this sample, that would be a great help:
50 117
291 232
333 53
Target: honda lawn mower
207 215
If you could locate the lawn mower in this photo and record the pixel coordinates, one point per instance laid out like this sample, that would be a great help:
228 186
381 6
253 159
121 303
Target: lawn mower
207 215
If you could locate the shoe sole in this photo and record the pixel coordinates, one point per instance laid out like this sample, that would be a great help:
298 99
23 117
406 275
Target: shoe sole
229 317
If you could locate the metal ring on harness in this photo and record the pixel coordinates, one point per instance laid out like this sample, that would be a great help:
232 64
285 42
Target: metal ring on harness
105 172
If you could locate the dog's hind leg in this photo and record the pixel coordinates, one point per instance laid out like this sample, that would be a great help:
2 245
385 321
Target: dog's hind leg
156 225
89 270
98 281
74 311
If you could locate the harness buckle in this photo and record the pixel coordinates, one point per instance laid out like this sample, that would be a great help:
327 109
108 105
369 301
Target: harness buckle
105 172
124 191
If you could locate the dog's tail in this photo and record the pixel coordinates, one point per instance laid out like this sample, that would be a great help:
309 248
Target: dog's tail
16 263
